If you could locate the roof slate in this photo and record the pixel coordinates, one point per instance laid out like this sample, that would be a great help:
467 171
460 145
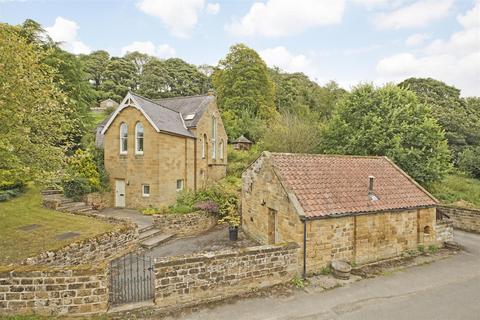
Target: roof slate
329 185
164 118
188 105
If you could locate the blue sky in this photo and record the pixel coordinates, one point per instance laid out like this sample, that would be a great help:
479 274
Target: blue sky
347 41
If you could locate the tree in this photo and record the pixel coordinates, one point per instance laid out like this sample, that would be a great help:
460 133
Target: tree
119 78
292 133
469 161
242 84
450 110
32 138
95 65
389 121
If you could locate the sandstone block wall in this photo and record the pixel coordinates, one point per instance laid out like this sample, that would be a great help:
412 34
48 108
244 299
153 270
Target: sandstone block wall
54 292
444 230
185 224
199 278
462 218
94 249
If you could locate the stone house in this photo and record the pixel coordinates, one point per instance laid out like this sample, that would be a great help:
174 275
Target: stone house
242 143
156 148
351 208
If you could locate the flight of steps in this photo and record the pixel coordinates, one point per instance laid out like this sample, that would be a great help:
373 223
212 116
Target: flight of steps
151 237
66 204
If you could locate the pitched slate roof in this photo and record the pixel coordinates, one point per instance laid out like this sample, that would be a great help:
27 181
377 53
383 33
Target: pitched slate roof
160 117
242 139
193 105
329 185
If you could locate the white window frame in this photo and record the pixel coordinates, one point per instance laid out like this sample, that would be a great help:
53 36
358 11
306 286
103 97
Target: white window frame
123 125
137 145
182 185
221 147
143 190
204 146
214 138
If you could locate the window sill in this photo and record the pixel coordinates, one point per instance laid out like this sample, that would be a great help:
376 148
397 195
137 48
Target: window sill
145 195
139 153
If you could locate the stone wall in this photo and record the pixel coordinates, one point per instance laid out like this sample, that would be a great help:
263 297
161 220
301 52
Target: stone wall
99 200
188 224
444 230
463 218
200 278
94 249
59 292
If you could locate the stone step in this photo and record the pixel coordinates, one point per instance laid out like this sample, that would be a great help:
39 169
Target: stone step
155 241
143 235
83 209
46 192
71 206
145 229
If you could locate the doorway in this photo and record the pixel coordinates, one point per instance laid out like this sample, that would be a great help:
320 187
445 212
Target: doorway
120 193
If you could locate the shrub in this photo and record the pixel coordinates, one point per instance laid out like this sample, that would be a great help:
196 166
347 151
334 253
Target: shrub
76 188
82 166
469 162
208 206
181 208
421 248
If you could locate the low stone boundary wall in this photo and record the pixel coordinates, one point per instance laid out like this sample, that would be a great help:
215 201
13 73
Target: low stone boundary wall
199 278
54 292
187 224
444 230
94 249
463 218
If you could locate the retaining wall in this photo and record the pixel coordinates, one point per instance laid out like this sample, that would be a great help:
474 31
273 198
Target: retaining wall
94 249
188 224
463 218
200 278
58 292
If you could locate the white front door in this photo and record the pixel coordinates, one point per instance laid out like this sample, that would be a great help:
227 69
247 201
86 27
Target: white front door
120 193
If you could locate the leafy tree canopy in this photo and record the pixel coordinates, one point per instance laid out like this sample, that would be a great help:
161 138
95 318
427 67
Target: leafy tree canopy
389 121
461 123
32 134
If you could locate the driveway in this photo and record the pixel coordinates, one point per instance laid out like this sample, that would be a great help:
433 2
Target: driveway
445 289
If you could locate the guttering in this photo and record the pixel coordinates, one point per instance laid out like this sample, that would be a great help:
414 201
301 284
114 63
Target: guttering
304 273
361 213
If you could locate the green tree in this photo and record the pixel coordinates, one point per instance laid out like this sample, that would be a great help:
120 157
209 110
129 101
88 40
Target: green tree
469 161
242 84
95 65
32 134
119 78
389 121
450 110
292 133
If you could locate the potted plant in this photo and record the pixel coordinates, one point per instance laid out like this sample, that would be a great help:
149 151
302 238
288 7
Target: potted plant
233 221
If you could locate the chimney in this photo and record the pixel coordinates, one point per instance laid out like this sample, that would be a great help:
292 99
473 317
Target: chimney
371 181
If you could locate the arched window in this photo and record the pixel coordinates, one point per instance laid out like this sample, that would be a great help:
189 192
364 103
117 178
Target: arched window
123 138
220 146
214 137
139 138
204 146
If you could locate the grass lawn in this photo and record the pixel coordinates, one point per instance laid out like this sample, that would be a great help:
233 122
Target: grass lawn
458 190
16 245
97 117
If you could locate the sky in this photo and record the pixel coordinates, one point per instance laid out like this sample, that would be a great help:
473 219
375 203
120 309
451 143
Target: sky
348 41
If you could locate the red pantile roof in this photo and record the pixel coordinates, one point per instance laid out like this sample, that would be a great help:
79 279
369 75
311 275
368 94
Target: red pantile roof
328 185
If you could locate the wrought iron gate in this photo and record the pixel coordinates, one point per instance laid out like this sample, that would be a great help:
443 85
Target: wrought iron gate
131 279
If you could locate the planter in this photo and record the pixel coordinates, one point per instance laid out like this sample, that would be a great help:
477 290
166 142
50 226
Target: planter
233 233
341 269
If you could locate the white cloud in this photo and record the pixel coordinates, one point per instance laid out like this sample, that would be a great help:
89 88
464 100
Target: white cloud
416 39
276 18
160 51
455 60
179 16
287 61
65 32
417 14
213 8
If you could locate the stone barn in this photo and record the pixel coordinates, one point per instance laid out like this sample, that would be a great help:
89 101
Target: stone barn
351 208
